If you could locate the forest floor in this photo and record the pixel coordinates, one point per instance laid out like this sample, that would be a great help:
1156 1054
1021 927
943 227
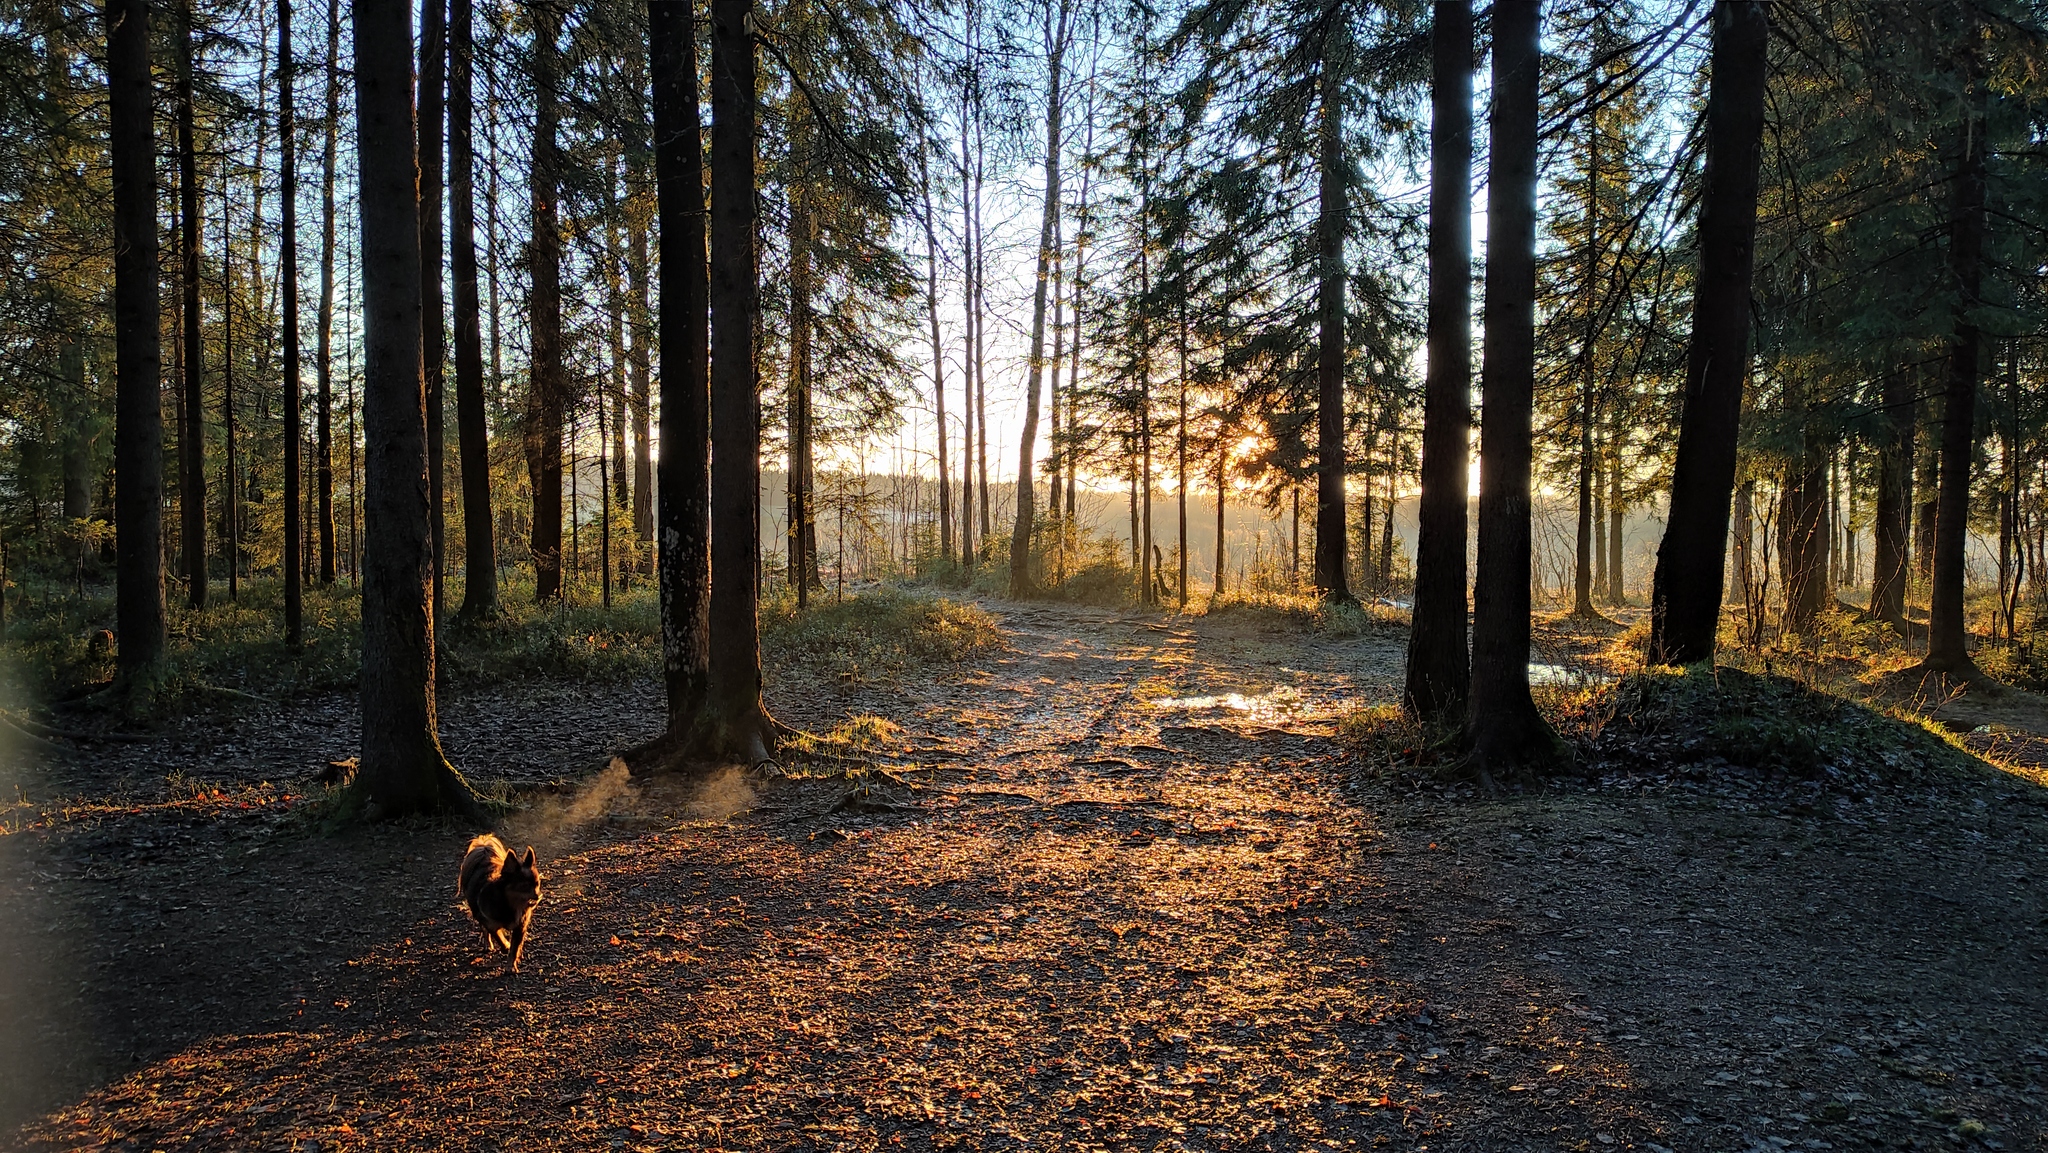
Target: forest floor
1127 895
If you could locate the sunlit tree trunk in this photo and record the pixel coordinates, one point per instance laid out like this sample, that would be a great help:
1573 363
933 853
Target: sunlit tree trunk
1022 581
401 768
931 306
1685 597
1438 674
1507 732
138 351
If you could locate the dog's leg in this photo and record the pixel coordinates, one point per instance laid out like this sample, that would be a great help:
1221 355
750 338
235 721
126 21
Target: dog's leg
518 942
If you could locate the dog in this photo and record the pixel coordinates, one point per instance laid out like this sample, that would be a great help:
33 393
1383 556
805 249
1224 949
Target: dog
501 887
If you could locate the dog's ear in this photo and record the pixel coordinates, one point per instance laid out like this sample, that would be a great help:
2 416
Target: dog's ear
529 857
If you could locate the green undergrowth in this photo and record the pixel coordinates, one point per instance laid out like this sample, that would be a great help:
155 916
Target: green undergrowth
60 645
1387 743
1693 722
874 637
1702 719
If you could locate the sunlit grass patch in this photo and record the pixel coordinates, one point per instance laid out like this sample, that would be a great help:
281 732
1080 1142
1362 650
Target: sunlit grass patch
857 740
876 635
1303 611
1386 742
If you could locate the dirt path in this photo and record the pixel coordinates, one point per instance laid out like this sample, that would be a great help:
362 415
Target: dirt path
1125 910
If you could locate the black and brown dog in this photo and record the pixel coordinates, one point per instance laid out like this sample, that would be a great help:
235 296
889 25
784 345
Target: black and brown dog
501 887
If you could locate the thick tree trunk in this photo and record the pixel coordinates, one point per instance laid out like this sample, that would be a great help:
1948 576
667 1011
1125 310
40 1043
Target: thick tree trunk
1948 649
433 79
192 372
401 768
931 307
472 428
685 472
1022 580
1330 227
323 402
288 289
741 727
1685 596
545 397
138 352
1507 732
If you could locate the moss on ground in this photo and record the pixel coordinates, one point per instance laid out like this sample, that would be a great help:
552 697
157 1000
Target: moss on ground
1705 719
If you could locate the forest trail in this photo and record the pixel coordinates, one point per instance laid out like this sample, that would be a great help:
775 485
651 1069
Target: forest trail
1120 909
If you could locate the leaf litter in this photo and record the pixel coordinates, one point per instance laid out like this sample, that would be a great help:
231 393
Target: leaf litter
1066 918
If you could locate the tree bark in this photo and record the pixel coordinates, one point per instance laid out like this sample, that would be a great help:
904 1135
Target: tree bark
1582 573
433 78
638 285
1508 734
288 275
401 768
1022 581
931 305
472 428
1222 480
1948 649
968 192
192 373
1685 596
1330 227
802 526
323 403
1617 515
545 396
741 727
1439 675
138 352
685 471
1800 530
